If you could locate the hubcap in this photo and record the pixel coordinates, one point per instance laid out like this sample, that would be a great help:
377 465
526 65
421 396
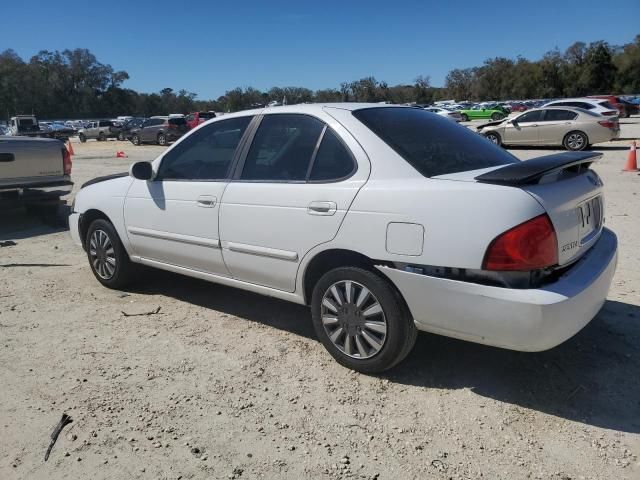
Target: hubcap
103 256
575 141
492 138
353 319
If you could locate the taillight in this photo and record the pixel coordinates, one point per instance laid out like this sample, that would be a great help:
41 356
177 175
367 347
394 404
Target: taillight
529 246
66 161
609 113
607 123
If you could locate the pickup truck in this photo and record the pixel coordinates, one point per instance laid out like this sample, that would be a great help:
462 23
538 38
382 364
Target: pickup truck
34 172
100 130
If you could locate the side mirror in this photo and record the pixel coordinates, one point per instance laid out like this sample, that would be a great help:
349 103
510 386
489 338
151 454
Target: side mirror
141 171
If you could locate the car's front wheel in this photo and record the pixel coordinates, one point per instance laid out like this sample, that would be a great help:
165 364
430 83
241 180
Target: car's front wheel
361 320
465 117
575 141
493 137
108 259
162 139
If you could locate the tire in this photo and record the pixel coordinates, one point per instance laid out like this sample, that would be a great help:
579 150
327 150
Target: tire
494 138
121 136
496 116
102 137
115 273
82 138
575 141
390 334
465 117
162 139
135 140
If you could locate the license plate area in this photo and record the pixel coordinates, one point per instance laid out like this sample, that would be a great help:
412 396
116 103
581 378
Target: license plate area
589 219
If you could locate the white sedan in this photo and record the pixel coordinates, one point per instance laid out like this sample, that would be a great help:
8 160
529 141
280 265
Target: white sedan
443 112
384 219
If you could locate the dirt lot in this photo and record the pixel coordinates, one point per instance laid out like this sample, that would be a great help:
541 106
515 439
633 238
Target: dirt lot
222 383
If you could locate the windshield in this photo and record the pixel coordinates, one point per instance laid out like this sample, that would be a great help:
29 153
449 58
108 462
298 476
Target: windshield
432 144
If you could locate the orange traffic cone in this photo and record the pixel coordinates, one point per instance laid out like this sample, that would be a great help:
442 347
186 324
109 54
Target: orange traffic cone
70 148
120 155
632 162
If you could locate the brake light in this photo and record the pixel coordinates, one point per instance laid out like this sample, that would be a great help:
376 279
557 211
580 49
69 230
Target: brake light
529 246
607 123
609 113
66 161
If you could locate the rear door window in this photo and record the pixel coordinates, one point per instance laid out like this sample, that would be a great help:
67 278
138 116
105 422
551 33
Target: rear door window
432 144
282 148
333 161
558 115
178 121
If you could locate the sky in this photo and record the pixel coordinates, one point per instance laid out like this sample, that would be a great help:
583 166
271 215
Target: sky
209 47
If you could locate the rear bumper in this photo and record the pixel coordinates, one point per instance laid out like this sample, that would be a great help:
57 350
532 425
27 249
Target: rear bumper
74 228
525 320
39 191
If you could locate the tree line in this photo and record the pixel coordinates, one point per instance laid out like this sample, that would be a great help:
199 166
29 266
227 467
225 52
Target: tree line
74 84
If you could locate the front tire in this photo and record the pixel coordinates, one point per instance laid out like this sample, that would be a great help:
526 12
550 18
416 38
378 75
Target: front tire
361 320
465 117
108 259
494 138
162 139
575 141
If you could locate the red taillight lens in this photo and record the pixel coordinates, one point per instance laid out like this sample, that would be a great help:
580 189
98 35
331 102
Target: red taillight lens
607 123
529 246
609 113
66 161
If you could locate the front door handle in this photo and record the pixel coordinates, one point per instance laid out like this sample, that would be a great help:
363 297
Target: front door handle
206 201
322 208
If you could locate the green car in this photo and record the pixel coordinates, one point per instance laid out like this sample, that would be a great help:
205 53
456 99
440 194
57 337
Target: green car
478 112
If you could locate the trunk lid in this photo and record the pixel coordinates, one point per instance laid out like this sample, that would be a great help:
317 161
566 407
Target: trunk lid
569 191
26 160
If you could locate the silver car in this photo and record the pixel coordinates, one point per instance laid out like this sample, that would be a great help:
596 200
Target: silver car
573 128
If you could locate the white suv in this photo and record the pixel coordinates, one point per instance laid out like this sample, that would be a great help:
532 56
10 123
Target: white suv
385 220
594 105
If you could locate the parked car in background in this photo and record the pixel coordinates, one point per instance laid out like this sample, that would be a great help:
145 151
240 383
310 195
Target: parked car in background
625 108
518 107
99 130
160 130
4 130
594 105
324 205
481 112
455 116
196 118
24 125
34 172
573 128
128 126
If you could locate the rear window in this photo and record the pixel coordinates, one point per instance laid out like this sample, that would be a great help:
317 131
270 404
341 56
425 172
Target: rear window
432 144
178 121
207 115
606 104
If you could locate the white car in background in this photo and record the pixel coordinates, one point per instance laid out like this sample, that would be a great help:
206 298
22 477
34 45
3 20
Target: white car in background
384 219
443 112
602 107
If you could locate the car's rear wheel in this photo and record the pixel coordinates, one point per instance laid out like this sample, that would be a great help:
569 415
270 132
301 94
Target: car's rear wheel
493 137
108 259
102 137
361 320
135 140
121 136
162 139
465 117
496 116
82 138
575 141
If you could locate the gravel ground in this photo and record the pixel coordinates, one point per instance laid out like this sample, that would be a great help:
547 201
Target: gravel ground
221 383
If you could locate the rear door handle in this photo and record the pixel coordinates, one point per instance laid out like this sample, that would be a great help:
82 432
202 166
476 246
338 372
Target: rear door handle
206 201
322 208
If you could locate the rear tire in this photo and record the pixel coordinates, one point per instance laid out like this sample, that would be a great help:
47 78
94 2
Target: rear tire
369 334
108 259
497 116
82 138
102 137
121 136
135 140
575 141
162 139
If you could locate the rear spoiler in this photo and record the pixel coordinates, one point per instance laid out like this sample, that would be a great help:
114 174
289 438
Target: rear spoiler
531 171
